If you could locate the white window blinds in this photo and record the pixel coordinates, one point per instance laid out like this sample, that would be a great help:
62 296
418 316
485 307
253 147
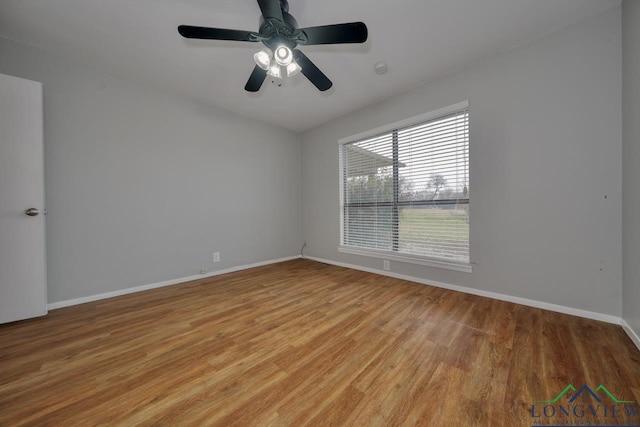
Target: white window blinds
406 191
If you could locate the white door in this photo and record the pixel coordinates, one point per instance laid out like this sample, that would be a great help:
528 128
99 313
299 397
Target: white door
23 282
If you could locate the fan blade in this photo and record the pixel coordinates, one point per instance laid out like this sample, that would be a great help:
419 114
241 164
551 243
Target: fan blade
312 72
255 79
207 33
271 9
352 32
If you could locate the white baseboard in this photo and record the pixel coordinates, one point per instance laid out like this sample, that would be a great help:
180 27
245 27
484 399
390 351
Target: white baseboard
632 334
502 297
76 301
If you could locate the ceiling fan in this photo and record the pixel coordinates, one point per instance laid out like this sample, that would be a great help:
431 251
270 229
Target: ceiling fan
280 34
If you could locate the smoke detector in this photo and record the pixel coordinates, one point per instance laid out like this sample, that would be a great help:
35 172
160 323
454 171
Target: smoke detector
380 67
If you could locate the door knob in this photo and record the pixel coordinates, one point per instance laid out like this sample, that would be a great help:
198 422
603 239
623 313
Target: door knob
32 212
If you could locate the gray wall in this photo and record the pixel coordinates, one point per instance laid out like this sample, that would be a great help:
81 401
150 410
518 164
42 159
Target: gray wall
631 163
546 150
143 186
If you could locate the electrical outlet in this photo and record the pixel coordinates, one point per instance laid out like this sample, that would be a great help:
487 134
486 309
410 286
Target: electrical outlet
386 265
203 271
216 257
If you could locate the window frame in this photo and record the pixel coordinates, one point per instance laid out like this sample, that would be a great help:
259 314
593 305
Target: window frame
392 129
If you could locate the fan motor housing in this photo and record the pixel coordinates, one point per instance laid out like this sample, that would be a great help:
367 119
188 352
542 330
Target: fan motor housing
278 32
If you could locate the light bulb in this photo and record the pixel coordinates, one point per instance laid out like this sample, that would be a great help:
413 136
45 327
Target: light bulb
263 58
293 69
283 55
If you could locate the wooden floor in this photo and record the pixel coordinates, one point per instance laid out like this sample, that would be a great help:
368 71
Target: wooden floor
302 343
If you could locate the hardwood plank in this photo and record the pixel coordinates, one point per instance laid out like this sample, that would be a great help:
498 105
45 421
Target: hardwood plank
304 343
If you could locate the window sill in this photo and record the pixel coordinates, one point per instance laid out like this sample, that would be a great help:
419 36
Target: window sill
430 262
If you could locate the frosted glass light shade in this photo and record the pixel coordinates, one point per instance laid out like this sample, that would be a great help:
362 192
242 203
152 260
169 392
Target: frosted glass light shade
263 58
293 69
274 70
283 55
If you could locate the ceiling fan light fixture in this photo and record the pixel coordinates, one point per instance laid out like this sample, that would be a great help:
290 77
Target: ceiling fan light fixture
283 55
293 69
263 58
279 32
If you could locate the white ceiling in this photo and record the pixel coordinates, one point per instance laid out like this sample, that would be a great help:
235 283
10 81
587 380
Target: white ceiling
419 39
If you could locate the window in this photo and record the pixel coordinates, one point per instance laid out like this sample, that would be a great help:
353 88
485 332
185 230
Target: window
404 190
